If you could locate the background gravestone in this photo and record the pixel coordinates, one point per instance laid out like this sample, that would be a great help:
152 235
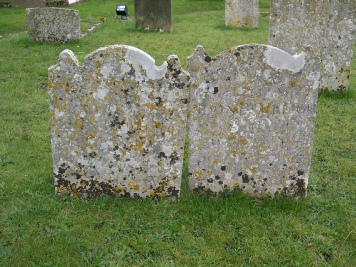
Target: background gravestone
118 124
241 13
28 3
252 113
154 15
52 24
326 28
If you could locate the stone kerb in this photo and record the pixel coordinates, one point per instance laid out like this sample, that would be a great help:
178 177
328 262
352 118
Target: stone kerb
118 124
327 28
28 3
51 24
154 15
241 13
252 112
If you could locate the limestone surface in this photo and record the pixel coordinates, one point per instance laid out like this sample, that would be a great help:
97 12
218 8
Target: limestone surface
252 113
55 25
325 28
154 15
118 123
241 13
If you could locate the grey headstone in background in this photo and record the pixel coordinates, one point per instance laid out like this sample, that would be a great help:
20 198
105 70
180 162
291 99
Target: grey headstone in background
241 13
154 15
28 3
118 123
52 24
251 123
325 28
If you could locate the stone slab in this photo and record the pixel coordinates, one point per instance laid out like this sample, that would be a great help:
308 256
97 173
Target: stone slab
117 123
154 15
251 123
326 28
55 25
241 13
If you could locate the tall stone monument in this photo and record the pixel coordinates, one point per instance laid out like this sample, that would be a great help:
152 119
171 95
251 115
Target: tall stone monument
154 15
241 13
326 28
252 114
118 124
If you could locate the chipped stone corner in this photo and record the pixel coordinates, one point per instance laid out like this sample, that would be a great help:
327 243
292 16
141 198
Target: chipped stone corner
280 59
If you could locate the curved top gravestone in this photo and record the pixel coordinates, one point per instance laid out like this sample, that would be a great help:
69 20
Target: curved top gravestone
118 123
252 113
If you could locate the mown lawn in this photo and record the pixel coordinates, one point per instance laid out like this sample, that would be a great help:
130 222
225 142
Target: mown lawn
38 228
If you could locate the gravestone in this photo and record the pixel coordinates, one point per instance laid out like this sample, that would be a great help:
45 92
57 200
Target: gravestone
28 3
52 24
252 113
327 28
154 15
118 124
241 13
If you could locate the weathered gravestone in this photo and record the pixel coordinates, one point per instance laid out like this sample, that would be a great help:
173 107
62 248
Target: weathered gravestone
118 123
241 13
53 24
252 113
154 15
28 3
326 28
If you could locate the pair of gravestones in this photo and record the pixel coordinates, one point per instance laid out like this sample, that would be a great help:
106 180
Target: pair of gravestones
119 122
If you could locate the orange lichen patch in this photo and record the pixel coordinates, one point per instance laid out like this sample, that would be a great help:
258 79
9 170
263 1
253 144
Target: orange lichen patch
78 124
231 137
62 190
236 184
199 174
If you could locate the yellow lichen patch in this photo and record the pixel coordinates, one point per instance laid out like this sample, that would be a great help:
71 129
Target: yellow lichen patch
293 84
266 108
199 174
231 137
133 185
243 141
236 184
62 190
78 124
254 170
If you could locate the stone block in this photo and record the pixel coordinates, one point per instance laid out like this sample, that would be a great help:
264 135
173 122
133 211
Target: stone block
326 28
154 15
118 124
241 13
251 124
52 24
28 3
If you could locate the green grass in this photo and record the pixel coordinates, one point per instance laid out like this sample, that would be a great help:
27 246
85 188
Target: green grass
38 228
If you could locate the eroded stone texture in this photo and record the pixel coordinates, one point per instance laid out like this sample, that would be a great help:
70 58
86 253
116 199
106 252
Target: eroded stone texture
241 13
154 15
118 123
252 113
326 28
52 24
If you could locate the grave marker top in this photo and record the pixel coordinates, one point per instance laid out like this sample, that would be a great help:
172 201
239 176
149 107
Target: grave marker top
118 123
252 112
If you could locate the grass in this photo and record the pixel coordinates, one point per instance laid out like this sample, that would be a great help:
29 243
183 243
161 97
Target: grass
38 228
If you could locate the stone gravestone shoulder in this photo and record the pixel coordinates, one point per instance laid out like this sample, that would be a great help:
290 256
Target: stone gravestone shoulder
154 15
118 123
52 24
326 28
241 13
252 113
